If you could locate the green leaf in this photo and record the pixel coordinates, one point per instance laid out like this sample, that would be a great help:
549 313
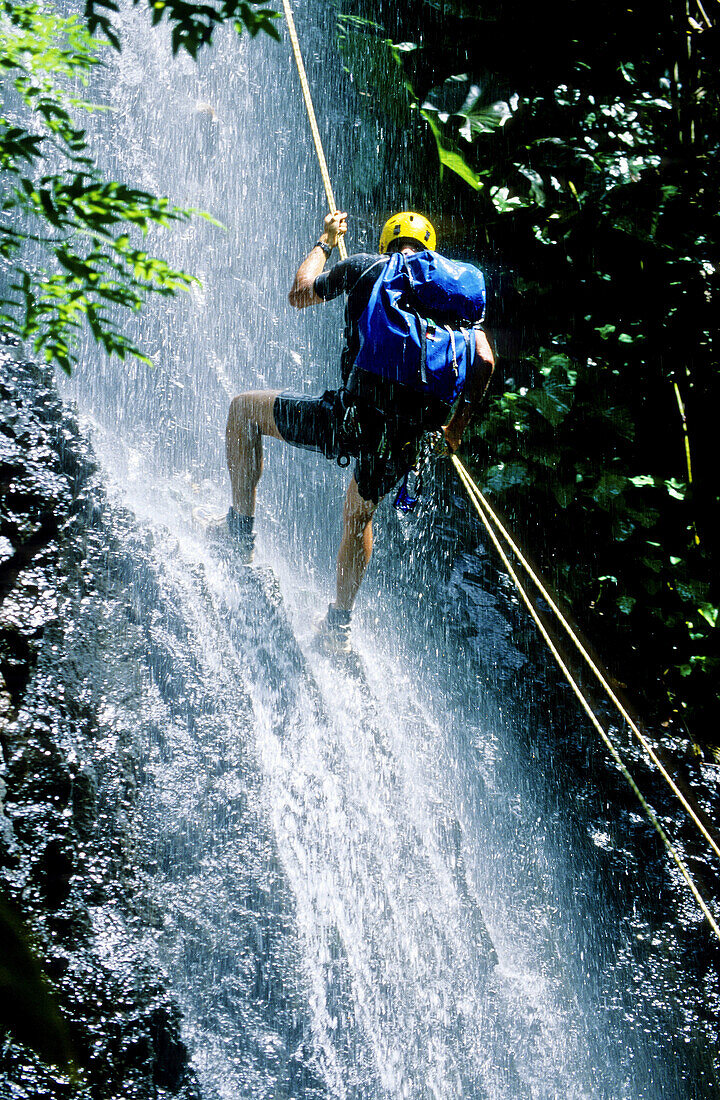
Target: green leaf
504 476
504 202
608 488
449 155
563 491
549 405
675 488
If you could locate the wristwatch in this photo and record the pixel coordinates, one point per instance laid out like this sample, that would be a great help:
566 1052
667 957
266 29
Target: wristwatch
327 248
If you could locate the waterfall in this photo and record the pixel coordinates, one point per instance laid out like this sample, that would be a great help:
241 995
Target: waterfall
362 889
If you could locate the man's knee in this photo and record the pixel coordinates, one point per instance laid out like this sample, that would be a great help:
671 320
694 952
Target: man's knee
243 407
254 410
237 411
357 512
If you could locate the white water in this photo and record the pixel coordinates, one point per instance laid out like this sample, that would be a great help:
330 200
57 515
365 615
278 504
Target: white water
359 891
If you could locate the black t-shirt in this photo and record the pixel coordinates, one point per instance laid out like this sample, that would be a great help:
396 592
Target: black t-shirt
355 276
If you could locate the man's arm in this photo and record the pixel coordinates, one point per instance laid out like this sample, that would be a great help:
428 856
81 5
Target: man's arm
477 383
302 292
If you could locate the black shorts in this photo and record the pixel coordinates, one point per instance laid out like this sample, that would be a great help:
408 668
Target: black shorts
315 424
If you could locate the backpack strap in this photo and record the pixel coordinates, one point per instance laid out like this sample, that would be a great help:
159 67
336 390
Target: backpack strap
347 385
454 349
470 346
423 348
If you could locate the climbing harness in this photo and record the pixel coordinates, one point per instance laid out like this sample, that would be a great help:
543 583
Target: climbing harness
496 530
493 526
426 452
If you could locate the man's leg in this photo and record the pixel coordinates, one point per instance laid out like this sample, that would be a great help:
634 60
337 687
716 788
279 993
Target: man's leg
355 546
250 418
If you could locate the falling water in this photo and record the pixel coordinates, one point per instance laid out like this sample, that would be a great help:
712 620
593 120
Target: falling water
357 889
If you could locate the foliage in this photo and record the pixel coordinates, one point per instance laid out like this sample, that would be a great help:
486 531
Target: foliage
192 24
578 151
55 197
86 256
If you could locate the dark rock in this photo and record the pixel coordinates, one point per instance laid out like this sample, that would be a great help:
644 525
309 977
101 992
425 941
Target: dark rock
64 813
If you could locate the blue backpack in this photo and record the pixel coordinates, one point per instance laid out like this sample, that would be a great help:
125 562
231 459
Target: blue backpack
418 326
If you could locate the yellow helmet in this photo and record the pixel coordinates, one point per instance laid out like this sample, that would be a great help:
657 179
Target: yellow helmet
408 225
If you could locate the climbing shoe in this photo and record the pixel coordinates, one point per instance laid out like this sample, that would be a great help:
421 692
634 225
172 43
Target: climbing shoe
234 532
333 633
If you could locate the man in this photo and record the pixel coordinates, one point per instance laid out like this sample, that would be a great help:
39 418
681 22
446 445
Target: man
383 437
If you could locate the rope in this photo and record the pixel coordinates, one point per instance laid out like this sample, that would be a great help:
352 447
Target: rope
312 119
686 439
485 511
594 667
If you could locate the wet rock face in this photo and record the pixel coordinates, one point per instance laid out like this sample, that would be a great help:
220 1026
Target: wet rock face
66 800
